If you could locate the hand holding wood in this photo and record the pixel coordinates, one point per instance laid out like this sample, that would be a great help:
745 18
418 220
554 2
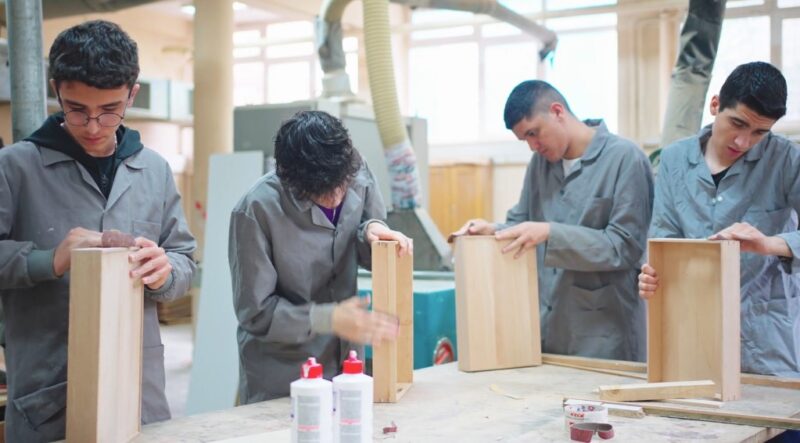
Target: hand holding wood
476 226
648 282
154 267
76 238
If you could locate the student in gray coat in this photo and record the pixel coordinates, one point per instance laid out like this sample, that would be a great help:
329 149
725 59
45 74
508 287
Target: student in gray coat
585 205
736 180
80 173
296 241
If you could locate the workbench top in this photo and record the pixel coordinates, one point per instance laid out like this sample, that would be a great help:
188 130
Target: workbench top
447 405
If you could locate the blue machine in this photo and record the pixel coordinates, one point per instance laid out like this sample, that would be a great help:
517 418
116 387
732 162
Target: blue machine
434 317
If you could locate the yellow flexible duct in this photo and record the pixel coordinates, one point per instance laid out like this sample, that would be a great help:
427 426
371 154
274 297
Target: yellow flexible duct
380 67
399 153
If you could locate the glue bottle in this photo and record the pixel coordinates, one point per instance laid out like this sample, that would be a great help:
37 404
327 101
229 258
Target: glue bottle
352 393
312 402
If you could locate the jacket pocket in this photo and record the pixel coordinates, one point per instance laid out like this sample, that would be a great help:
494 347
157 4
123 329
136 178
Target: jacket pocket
595 324
769 345
42 405
772 222
146 229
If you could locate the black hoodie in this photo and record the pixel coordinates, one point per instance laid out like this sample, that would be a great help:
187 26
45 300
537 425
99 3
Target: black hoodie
102 169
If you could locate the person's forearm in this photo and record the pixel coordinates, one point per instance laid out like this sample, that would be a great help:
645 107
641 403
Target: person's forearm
778 246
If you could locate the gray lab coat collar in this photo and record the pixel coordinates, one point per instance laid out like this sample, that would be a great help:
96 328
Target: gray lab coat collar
318 218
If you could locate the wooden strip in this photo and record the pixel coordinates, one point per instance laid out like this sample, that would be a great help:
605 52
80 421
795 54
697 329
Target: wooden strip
736 418
770 380
594 363
602 371
622 368
404 300
714 404
658 391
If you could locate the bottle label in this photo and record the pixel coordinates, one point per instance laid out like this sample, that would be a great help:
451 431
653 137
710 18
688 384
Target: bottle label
307 413
349 416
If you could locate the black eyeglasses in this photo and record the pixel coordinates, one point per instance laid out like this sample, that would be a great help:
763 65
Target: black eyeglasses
80 118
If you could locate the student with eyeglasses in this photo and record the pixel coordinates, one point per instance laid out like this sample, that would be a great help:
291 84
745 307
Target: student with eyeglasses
80 173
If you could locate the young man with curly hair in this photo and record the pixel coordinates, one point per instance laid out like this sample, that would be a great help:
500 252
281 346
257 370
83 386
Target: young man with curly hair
80 173
736 180
296 240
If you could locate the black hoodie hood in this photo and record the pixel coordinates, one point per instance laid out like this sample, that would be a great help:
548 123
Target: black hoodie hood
52 135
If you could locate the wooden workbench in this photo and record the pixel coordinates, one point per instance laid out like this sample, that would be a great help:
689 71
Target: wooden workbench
447 405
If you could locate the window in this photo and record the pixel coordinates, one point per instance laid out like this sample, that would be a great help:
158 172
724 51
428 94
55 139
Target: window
737 47
791 66
503 72
443 88
584 69
278 63
773 35
461 72
248 81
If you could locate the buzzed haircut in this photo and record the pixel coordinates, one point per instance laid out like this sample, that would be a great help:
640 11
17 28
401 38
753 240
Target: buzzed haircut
530 98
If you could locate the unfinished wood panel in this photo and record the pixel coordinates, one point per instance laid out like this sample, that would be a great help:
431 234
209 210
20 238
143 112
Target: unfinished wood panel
392 293
104 366
497 306
658 391
721 416
693 319
459 192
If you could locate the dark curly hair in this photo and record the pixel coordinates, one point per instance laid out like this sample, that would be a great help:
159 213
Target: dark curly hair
757 85
98 53
314 154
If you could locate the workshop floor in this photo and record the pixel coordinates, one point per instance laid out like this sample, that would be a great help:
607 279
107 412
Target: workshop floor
178 347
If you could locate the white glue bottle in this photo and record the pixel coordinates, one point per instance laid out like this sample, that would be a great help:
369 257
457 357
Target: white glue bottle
352 393
312 404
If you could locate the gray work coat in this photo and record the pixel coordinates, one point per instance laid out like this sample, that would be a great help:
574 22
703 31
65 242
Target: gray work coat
289 267
598 214
763 189
43 194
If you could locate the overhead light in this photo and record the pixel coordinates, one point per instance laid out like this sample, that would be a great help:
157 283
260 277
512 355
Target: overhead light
189 9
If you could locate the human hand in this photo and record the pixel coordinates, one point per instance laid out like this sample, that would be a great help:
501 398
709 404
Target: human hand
476 226
76 238
352 321
153 266
752 240
648 282
524 236
378 231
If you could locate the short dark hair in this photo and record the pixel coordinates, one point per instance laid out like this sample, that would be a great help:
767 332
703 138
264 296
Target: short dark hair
531 97
314 154
98 53
757 85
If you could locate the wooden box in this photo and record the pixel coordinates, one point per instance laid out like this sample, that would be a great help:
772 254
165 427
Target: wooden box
497 306
693 319
104 366
392 280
